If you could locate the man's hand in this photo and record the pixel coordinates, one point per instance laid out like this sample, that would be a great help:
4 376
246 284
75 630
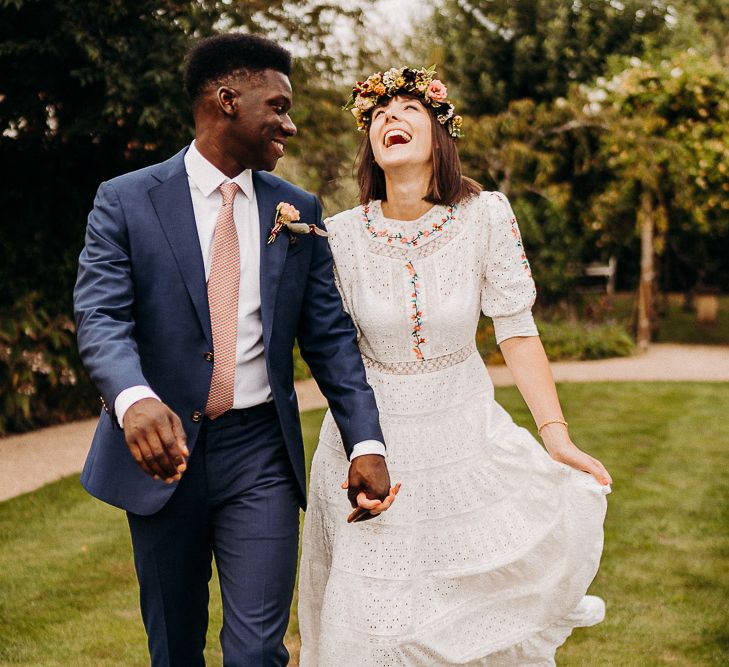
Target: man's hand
156 439
368 487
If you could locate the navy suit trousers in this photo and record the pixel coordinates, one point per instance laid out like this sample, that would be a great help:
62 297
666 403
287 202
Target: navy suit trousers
238 502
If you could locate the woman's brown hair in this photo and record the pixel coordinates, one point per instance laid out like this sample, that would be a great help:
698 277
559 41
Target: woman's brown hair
447 186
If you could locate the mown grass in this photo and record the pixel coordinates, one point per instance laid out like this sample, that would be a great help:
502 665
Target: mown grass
68 593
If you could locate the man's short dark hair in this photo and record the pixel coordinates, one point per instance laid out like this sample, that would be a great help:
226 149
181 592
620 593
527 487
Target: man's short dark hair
216 58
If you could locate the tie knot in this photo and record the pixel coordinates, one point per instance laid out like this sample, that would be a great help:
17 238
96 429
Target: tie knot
228 191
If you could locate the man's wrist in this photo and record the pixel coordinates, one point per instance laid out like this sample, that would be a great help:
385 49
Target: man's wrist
129 397
367 447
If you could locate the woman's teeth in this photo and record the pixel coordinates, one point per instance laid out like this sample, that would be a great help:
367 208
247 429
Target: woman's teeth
397 137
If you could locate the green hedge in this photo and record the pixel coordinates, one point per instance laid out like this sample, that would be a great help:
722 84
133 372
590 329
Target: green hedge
42 380
566 340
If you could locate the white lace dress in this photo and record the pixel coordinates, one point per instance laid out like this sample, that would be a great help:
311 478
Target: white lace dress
491 544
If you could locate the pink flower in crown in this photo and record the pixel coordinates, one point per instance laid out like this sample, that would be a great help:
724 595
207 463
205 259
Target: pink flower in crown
437 91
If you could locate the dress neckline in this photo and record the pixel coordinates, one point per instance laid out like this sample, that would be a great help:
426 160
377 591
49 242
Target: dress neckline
406 233
375 207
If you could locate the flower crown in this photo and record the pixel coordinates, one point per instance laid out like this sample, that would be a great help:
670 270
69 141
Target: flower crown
420 83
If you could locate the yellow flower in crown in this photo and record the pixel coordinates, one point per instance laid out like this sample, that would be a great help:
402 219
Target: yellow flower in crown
420 83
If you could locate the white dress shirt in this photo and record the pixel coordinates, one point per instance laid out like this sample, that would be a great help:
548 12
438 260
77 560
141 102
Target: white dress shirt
251 378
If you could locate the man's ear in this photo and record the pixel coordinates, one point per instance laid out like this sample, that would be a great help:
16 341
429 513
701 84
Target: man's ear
227 99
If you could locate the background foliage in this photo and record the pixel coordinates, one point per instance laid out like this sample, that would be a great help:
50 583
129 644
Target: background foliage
573 108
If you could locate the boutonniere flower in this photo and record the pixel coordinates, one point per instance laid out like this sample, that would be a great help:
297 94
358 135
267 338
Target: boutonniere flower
289 217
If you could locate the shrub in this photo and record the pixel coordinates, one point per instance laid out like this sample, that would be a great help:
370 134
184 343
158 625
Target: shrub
580 340
42 380
565 340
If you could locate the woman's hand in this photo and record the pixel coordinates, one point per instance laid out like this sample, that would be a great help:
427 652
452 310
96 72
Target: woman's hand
368 509
562 449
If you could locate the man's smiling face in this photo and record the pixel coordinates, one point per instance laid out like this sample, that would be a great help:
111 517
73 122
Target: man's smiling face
261 126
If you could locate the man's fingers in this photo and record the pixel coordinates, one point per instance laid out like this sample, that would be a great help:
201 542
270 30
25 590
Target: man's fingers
179 433
137 456
170 444
149 459
160 453
345 484
360 515
356 515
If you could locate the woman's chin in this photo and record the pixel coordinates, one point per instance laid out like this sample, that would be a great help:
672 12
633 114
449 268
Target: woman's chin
398 159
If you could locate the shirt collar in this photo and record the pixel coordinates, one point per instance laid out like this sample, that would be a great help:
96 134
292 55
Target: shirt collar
208 178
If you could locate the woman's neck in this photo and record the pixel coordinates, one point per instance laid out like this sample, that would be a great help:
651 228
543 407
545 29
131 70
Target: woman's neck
405 196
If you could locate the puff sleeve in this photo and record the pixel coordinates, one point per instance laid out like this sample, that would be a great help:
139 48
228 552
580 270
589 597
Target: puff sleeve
508 292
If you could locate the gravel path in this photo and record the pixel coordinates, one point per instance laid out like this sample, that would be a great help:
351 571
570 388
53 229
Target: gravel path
62 449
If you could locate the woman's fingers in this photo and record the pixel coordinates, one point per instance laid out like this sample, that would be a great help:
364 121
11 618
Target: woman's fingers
578 459
604 475
365 506
387 502
365 503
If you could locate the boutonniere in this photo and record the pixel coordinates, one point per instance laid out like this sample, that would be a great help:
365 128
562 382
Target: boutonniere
289 217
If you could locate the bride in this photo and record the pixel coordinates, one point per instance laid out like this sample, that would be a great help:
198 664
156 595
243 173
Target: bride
486 555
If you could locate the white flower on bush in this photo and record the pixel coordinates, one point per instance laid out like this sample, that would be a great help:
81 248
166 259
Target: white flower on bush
37 362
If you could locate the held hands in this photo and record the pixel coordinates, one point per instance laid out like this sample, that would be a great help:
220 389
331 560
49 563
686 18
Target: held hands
368 487
562 449
156 439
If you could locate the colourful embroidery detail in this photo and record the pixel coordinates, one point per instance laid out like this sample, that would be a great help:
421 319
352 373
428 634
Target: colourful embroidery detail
399 237
517 236
417 314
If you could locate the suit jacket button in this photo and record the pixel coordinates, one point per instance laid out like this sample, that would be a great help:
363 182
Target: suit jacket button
209 356
197 416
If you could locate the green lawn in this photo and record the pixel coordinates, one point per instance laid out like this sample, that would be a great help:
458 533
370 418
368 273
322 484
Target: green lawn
68 593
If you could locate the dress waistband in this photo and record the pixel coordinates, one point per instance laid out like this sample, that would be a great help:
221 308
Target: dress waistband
420 366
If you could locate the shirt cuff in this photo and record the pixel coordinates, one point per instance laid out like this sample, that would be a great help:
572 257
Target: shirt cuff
128 397
511 326
367 447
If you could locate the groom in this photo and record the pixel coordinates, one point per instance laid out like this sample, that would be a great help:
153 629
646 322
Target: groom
186 323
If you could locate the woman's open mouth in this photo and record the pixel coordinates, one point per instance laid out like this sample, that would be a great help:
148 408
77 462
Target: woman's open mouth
394 137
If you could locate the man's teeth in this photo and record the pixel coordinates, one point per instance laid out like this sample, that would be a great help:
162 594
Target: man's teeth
397 137
279 144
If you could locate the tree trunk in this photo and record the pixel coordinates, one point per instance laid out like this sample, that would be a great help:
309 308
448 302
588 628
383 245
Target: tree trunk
646 220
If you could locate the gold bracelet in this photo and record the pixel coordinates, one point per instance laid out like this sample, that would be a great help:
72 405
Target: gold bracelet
551 421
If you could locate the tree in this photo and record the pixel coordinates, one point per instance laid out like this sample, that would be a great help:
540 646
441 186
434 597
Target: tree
93 89
666 149
541 157
496 51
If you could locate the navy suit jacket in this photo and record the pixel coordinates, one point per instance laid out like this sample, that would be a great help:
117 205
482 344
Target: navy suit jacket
142 317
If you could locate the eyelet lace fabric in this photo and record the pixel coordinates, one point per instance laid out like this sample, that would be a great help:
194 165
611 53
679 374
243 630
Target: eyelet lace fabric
491 545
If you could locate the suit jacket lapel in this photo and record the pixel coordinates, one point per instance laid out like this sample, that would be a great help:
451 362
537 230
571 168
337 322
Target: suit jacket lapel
273 255
173 204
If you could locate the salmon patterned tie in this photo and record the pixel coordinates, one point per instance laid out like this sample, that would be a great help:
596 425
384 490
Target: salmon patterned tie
223 285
